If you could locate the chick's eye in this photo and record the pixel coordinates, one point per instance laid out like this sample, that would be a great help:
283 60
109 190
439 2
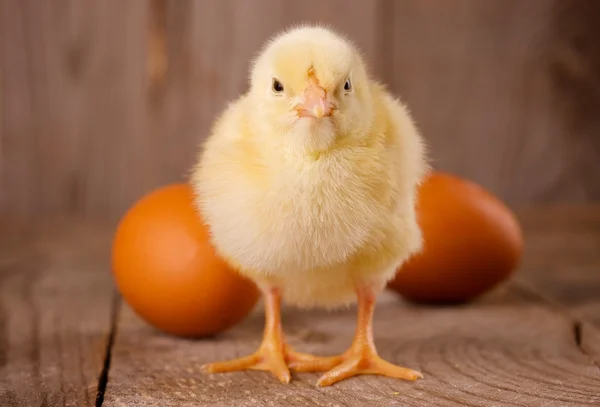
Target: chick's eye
277 86
348 85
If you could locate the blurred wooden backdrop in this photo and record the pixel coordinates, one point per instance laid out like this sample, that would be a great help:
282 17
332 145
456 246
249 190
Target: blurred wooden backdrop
103 100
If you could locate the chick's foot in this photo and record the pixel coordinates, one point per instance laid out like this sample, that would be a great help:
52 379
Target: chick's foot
354 362
361 358
273 355
365 362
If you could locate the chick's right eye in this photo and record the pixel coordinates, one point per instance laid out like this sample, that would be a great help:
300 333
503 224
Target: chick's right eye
277 86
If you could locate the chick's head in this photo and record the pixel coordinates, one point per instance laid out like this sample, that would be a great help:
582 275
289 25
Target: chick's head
310 88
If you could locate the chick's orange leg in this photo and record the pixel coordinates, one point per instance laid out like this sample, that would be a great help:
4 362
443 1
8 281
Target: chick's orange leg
361 357
270 355
273 354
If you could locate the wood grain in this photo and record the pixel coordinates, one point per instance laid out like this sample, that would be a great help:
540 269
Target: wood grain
55 308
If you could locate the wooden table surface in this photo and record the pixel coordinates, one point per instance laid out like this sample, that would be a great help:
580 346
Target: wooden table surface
67 340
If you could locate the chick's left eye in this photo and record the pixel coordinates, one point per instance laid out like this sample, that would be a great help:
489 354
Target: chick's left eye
277 86
347 85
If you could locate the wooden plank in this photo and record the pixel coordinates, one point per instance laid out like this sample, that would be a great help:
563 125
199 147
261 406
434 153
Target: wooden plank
55 310
477 77
508 349
88 123
72 105
562 265
573 65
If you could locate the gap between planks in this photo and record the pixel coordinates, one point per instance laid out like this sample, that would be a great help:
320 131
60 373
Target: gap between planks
103 378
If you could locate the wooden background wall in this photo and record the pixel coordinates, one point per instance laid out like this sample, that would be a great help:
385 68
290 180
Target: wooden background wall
103 100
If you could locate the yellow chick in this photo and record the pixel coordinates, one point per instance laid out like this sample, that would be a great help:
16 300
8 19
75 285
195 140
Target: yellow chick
308 184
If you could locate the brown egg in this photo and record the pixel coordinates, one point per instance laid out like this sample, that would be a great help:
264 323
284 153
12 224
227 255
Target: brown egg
472 242
168 272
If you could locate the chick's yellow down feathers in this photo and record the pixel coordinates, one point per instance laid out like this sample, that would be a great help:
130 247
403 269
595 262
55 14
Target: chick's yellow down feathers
308 180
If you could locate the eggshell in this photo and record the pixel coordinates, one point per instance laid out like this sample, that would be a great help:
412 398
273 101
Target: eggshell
472 242
167 271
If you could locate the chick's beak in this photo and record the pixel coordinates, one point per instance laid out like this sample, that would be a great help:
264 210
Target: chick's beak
314 101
